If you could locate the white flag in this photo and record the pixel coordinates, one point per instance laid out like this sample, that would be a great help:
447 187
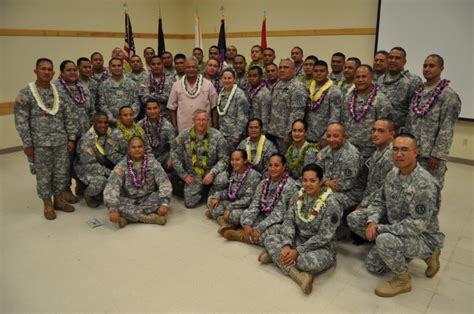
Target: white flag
197 33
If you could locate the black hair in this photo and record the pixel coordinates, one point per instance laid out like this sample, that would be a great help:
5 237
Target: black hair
38 61
63 64
281 156
256 68
305 124
314 167
82 59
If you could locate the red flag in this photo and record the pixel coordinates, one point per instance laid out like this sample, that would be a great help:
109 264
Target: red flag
263 41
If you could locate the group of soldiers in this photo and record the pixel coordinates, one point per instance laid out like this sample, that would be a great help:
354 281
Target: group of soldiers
201 130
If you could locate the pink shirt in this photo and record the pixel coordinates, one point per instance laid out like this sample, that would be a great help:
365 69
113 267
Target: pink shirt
185 106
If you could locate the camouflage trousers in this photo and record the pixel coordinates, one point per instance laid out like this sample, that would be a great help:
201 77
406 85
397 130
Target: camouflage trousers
95 184
131 208
312 262
439 173
51 165
234 213
357 221
392 252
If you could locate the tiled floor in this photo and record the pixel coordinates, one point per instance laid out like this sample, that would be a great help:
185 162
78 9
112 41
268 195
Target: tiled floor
185 266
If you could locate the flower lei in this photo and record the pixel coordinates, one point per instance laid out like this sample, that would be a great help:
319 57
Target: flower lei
358 116
253 92
197 90
154 143
233 192
313 212
272 85
227 105
258 156
315 100
422 110
200 167
299 69
39 100
103 75
158 88
133 174
263 204
298 162
82 95
127 134
99 147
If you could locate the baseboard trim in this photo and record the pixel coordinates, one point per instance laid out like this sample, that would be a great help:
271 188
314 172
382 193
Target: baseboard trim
11 150
463 161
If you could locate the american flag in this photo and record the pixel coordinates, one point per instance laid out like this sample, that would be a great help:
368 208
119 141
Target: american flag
129 45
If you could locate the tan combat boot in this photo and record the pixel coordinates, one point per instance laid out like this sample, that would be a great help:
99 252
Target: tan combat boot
400 283
122 222
60 204
433 264
303 279
91 201
264 257
208 214
234 235
69 197
152 219
224 226
48 209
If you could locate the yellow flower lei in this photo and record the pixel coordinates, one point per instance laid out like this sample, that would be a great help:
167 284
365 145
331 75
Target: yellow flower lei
127 134
312 88
201 167
96 140
258 156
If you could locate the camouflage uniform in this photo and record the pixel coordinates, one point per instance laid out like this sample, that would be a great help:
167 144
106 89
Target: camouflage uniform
100 77
336 77
148 91
410 204
260 106
268 223
242 81
167 136
360 133
309 158
345 88
82 113
268 149
434 131
91 166
399 90
113 95
328 110
138 78
116 147
48 135
343 165
288 104
244 197
379 164
121 196
93 87
232 124
314 240
306 81
181 155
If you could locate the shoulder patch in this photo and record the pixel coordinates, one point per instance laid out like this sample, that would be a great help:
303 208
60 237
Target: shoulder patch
110 141
420 209
334 219
19 100
89 151
118 171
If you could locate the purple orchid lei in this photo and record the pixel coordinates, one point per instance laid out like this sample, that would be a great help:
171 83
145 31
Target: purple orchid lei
358 116
268 207
253 92
422 110
146 127
233 192
157 88
315 105
133 174
82 95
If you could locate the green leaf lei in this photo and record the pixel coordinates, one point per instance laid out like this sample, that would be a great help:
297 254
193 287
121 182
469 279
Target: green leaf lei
298 162
201 166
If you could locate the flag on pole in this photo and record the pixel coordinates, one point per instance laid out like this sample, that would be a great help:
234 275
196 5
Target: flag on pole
197 32
263 41
129 45
161 37
221 43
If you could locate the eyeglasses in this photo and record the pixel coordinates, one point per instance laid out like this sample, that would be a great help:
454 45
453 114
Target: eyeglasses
402 150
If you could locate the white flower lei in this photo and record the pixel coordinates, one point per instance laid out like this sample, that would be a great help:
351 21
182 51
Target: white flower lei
198 86
40 102
226 108
317 206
